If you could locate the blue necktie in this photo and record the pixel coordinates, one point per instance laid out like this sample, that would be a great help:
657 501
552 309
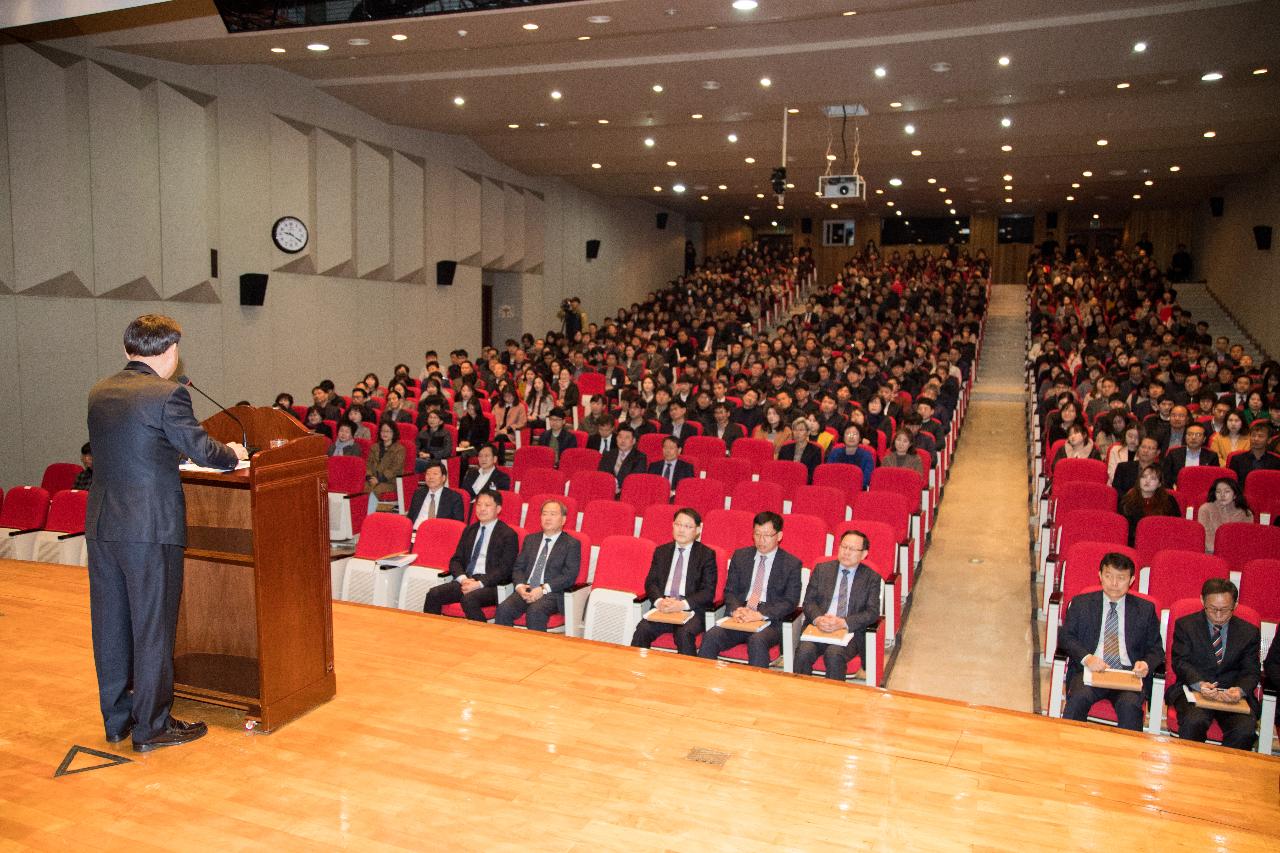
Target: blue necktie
475 552
842 601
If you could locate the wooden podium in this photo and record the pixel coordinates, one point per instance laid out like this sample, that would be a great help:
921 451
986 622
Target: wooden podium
255 629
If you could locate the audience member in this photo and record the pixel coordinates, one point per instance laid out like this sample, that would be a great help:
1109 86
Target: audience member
1149 497
623 460
384 464
1257 457
433 498
481 563
555 435
84 478
681 580
671 467
800 449
843 595
344 444
548 565
1224 504
485 475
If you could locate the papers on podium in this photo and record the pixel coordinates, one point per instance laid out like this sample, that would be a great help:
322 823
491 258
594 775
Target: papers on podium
1238 707
833 638
395 561
191 466
679 617
1113 679
746 627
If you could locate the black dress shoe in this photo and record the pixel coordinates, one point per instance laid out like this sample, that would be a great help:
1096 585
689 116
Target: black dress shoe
175 733
116 738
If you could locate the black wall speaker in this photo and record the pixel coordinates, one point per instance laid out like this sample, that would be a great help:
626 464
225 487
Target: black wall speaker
1215 205
213 263
445 271
1262 236
253 288
1050 220
593 249
662 221
806 226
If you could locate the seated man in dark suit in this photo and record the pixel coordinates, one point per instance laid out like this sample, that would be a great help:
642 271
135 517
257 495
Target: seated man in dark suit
1111 629
763 583
675 423
1126 476
485 476
433 498
555 435
603 440
623 460
1257 457
682 578
671 467
1192 454
1215 654
722 427
843 595
481 563
547 566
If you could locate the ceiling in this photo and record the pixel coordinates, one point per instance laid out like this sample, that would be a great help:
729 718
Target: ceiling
1059 90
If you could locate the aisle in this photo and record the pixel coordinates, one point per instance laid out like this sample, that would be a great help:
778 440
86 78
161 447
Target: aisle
968 636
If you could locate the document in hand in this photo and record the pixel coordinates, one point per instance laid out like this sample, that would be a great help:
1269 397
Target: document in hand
1113 679
746 627
1238 707
833 638
191 466
678 618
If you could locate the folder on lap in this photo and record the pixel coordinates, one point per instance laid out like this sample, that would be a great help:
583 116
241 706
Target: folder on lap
1113 679
746 627
1238 707
834 638
678 618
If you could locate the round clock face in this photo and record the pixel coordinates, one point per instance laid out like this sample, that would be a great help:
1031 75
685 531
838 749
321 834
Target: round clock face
289 234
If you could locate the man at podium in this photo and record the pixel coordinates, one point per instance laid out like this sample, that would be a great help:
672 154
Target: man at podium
140 424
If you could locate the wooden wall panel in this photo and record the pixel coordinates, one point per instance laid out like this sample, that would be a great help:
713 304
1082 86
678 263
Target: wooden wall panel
1165 227
332 192
512 227
407 237
373 211
186 193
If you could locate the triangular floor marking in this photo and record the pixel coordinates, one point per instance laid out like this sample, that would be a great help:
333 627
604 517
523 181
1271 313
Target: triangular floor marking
111 761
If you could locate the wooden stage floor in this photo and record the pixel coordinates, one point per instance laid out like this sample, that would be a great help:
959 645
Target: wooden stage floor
446 735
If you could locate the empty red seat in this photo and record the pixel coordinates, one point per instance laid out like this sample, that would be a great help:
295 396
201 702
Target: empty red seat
702 495
60 476
577 459
825 502
650 444
607 517
806 537
529 457
757 451
586 486
1161 532
1260 587
729 470
656 520
1180 574
642 490
728 528
757 496
1239 542
1079 470
435 541
787 473
704 448
541 480
846 478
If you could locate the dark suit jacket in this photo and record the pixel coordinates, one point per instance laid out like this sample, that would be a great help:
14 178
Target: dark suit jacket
732 432
699 571
1083 628
593 442
1193 659
562 563
567 440
497 480
1271 666
687 429
140 424
504 545
635 463
811 457
1176 460
1126 477
450 505
782 596
683 469
863 609
1245 464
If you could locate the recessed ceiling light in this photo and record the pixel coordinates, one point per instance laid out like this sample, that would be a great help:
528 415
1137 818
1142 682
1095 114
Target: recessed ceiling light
602 121
671 162
723 187
733 137
1102 142
940 67
1139 46
895 104
792 110
710 85
895 182
1259 71
932 181
677 188
278 50
1007 176
1003 61
531 26
599 19
745 5
1122 85
1209 134
458 100
831 158
881 71
746 216
942 189
1006 148
897 212
1075 185
1096 216
513 126
888 204
696 115
657 87
835 206
357 42
318 47
584 38
759 195
657 189
749 160
704 197
952 211
1086 173
879 192
1071 198
556 95
766 82
1006 122
1148 183
790 186
1137 195
774 223
648 142
1175 168
1169 81
539 124
399 37
1008 186
1008 201
916 152
848 14
947 201
909 130
1211 77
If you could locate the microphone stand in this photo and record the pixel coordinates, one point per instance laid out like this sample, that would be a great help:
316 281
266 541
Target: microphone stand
244 435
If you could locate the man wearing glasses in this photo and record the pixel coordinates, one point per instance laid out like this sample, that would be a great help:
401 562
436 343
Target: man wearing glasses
1216 655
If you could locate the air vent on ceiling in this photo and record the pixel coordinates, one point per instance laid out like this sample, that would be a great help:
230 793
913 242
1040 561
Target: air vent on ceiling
842 110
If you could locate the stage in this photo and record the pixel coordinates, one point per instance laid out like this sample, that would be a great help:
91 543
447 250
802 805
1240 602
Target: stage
449 735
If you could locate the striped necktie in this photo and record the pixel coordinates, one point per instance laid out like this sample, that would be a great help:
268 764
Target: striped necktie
1215 633
1111 637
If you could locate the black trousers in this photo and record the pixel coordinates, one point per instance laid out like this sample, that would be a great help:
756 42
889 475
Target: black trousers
134 592
686 634
759 644
535 615
1238 730
473 603
1127 704
834 658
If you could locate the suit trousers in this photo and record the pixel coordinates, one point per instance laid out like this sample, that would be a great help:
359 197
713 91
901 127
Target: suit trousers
835 658
535 615
759 644
1080 699
472 603
686 634
1238 730
134 592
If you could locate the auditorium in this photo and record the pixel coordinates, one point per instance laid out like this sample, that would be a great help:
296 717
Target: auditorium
806 425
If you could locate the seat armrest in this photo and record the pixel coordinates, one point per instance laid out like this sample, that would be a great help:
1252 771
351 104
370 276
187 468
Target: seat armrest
577 587
13 533
793 615
65 536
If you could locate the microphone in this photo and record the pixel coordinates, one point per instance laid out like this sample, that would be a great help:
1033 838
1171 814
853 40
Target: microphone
244 439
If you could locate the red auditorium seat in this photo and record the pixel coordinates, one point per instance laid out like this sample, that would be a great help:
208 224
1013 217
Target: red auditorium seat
1079 571
757 451
577 459
1161 532
348 503
62 539
883 557
1180 574
656 521
607 517
806 537
729 529
1239 542
587 486
1083 525
541 480
891 509
1079 471
729 470
705 448
59 476
1194 482
650 444
530 457
617 589
24 512
533 515
641 490
1260 587
825 502
757 496
1262 492
702 495
788 474
846 478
